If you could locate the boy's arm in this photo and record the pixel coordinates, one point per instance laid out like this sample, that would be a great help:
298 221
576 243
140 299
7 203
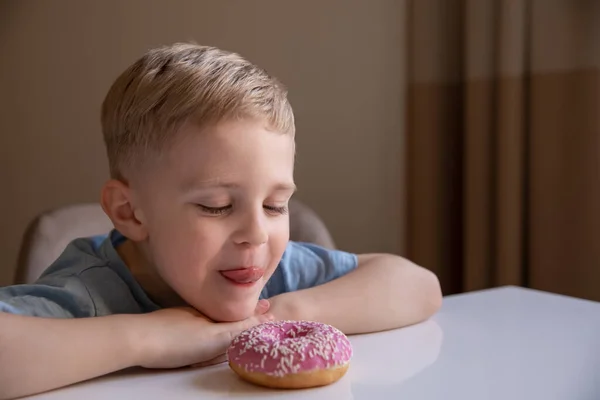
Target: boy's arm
40 354
384 292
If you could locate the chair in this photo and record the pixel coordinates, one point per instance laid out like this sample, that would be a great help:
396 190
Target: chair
50 232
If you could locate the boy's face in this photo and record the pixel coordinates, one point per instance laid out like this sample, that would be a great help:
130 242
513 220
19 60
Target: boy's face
215 212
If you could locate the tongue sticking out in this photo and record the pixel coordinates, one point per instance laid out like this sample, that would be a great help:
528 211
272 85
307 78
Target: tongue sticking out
243 275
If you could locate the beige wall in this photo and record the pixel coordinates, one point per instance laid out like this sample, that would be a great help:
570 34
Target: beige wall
342 61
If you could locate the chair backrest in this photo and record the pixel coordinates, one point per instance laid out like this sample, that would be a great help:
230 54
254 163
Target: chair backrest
50 232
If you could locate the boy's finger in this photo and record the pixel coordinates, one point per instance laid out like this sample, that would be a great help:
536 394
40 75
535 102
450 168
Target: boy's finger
262 307
238 327
230 330
217 360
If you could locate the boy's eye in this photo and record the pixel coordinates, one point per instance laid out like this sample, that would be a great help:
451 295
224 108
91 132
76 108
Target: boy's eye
214 210
222 210
276 209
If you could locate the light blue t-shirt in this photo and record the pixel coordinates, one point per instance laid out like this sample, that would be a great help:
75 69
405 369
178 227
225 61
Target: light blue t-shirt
90 279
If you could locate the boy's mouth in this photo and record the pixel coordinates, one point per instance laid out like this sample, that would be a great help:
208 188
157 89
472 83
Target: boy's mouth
243 276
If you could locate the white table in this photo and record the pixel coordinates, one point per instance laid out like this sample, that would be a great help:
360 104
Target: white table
506 343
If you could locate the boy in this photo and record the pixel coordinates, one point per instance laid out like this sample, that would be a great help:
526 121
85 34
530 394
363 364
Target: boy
200 145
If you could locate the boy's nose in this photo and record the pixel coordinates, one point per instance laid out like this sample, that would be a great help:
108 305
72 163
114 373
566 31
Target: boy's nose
253 231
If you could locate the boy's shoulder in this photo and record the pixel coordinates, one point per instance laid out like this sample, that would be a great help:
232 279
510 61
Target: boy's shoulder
79 256
304 265
88 279
301 253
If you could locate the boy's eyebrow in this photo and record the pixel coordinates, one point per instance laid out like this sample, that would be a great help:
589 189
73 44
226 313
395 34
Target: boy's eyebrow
287 187
214 184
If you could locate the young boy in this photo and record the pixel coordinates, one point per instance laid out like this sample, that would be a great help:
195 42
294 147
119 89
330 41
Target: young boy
200 144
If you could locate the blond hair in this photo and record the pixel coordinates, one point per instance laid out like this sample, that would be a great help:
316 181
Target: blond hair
172 85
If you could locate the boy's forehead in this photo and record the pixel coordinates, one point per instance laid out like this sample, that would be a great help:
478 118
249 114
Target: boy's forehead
230 155
227 136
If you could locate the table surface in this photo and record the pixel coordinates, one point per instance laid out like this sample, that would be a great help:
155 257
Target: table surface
504 343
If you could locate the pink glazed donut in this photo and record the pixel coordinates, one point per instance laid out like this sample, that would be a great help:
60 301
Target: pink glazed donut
290 354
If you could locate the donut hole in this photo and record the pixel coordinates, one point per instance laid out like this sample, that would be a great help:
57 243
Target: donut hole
292 334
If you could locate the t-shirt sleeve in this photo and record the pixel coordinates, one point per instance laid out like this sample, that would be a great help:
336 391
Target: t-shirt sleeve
59 297
305 265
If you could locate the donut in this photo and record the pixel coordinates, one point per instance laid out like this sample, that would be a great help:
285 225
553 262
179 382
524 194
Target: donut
290 354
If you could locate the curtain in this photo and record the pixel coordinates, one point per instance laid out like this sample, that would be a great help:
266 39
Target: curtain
503 143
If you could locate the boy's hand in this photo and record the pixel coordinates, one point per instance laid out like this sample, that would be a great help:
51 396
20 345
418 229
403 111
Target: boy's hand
177 337
283 307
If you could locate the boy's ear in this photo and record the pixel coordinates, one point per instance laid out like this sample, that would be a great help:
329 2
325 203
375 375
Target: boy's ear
116 200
